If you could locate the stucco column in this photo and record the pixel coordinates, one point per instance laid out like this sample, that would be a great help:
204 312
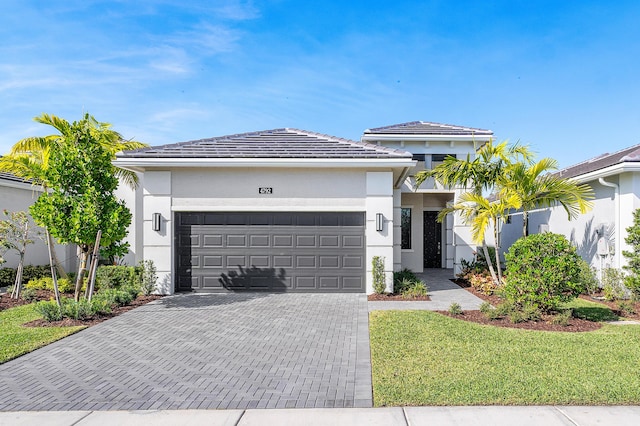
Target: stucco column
463 244
380 200
157 244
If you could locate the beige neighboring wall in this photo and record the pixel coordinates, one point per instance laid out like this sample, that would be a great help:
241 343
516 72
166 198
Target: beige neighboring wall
14 197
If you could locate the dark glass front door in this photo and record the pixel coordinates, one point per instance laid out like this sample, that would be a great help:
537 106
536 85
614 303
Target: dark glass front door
432 241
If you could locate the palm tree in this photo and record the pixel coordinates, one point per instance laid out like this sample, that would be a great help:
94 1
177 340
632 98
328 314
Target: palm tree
537 188
481 213
39 148
481 174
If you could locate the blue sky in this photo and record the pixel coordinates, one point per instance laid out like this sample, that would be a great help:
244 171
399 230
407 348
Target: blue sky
561 76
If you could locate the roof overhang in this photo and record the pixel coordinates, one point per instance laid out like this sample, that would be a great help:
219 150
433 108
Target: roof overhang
614 170
374 137
141 164
20 185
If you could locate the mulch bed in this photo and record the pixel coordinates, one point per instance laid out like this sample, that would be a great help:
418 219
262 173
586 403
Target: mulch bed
393 297
544 324
6 302
614 306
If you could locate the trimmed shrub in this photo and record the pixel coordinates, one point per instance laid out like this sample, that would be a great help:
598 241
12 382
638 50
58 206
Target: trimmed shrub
46 283
455 309
79 310
29 294
148 277
116 276
29 272
613 284
49 310
379 278
543 272
415 289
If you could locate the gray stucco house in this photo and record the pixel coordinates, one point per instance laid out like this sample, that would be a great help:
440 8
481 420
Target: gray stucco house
600 233
294 210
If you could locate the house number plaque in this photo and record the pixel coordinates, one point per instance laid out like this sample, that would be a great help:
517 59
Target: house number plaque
265 190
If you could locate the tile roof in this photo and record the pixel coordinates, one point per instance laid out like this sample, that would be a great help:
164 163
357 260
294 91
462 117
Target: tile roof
627 155
13 178
426 128
278 143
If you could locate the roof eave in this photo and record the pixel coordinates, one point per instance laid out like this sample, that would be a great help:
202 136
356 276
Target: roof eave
140 164
374 137
613 170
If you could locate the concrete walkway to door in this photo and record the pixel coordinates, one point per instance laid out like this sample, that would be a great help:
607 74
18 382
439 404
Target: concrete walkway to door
204 351
442 291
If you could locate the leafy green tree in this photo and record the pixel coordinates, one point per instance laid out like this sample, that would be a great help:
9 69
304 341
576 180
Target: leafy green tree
81 200
536 187
16 233
29 157
632 280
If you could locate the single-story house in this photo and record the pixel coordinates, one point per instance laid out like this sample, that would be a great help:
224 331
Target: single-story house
17 194
293 210
600 233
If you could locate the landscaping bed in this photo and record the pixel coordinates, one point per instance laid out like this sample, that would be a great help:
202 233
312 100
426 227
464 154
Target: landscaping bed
6 303
545 323
395 297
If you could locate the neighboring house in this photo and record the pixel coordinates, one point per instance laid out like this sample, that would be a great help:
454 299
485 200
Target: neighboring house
600 233
293 210
17 194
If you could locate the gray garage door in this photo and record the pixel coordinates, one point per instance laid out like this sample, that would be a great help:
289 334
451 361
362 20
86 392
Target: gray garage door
310 251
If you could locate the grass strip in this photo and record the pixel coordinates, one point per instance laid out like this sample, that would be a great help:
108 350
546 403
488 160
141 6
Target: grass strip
16 340
424 358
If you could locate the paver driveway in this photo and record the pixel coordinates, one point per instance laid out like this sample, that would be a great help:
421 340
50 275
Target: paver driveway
246 350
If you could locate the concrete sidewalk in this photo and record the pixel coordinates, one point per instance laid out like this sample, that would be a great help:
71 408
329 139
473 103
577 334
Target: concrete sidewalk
442 291
407 416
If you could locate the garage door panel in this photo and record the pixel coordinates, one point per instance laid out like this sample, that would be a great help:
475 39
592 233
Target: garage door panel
235 261
284 251
352 282
236 240
330 283
329 262
282 261
306 241
282 241
305 261
212 261
329 241
353 241
303 282
259 241
352 262
259 261
212 240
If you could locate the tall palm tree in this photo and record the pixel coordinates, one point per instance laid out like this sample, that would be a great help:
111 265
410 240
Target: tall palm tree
483 173
40 147
536 188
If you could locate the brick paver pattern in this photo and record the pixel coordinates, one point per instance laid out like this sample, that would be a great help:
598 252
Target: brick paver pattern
206 351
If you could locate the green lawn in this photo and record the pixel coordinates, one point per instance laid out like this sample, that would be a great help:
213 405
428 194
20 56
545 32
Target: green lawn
16 340
424 358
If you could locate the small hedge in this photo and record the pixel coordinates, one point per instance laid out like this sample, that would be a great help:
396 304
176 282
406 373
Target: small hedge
117 277
46 283
29 272
543 271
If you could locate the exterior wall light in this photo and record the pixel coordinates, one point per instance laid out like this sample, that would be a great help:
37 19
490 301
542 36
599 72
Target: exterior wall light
156 222
379 222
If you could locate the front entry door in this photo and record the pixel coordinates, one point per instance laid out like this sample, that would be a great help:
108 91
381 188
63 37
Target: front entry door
432 241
